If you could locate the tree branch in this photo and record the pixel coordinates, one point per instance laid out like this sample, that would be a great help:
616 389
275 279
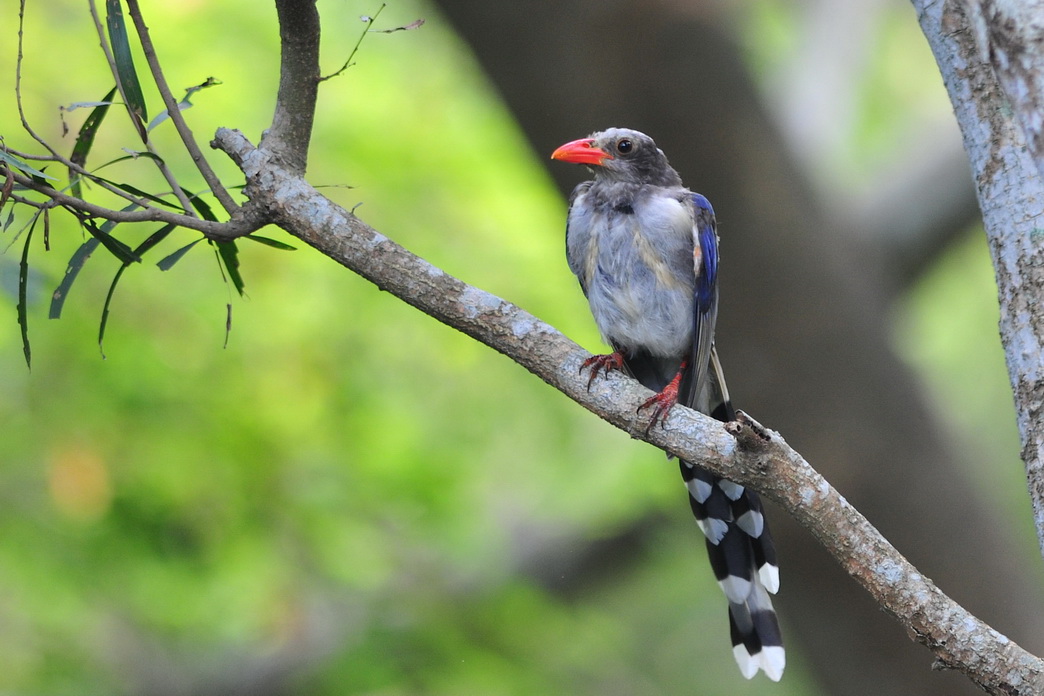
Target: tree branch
291 129
964 38
242 222
742 451
176 117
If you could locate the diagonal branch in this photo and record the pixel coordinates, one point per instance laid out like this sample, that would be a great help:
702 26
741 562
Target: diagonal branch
741 451
171 104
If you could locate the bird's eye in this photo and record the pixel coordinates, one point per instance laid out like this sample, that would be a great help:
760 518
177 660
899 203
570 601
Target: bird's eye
624 146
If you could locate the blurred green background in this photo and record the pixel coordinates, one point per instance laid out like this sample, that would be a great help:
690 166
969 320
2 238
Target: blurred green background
350 497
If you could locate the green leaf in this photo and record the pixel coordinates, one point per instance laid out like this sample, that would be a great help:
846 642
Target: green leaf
168 261
85 140
131 156
184 103
155 238
23 284
152 240
134 190
228 254
85 104
125 73
72 270
115 246
201 206
22 166
105 309
274 243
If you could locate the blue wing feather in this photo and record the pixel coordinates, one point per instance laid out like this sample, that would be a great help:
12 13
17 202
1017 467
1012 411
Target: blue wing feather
707 272
705 306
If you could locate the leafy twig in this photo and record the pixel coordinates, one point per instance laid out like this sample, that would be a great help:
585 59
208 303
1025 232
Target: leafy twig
135 118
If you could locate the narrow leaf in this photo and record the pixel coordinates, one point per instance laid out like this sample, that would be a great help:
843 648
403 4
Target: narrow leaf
115 246
85 140
228 253
228 322
105 309
201 206
134 190
72 270
274 243
18 164
154 239
133 155
167 262
151 241
23 285
125 73
8 187
184 103
415 24
85 104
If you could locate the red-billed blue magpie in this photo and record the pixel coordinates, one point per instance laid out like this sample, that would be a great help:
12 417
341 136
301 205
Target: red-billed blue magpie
645 250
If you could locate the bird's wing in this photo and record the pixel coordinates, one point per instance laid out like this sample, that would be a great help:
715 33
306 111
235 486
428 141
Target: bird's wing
578 234
705 304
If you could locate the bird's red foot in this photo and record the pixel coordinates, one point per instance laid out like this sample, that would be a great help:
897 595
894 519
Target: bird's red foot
663 402
603 363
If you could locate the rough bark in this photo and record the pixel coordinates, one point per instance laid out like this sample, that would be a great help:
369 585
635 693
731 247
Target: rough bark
991 55
291 130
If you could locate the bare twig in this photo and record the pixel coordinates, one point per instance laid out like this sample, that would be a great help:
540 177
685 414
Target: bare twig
368 22
18 87
30 156
174 112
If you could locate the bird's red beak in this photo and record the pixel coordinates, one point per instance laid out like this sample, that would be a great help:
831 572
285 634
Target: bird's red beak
581 151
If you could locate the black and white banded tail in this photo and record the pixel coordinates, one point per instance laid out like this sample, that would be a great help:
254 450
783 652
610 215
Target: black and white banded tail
744 562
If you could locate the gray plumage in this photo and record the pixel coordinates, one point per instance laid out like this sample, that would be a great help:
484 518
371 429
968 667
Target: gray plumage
644 249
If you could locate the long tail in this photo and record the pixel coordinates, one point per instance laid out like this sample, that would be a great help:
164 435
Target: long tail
743 558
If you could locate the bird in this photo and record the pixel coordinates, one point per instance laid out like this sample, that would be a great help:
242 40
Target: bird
645 250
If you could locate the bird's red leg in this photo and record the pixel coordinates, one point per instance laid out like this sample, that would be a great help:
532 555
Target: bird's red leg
665 400
605 363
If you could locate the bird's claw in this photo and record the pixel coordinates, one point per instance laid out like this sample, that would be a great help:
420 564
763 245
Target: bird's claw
662 404
603 363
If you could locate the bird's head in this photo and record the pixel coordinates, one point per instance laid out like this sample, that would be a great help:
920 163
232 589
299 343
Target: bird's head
621 154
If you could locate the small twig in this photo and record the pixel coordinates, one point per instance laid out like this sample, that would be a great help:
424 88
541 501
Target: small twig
175 114
240 225
29 156
18 87
368 21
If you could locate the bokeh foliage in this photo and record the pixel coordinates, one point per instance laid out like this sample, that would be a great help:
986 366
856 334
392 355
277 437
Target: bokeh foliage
348 487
